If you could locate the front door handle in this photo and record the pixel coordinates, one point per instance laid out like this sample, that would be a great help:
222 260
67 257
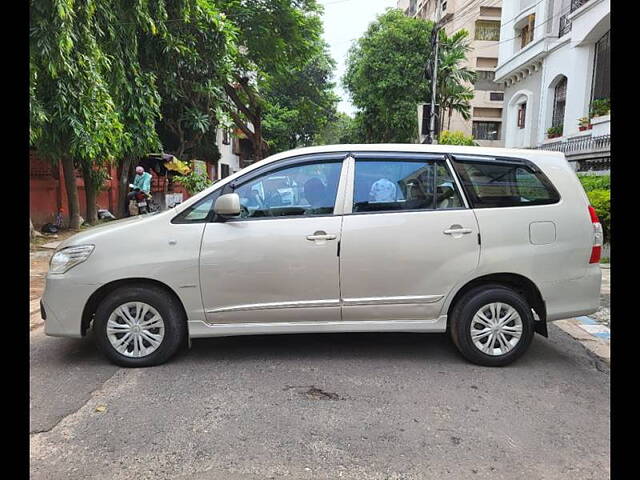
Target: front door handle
457 230
321 235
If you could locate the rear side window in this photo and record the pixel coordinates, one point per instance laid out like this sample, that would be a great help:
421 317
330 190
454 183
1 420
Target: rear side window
392 185
502 184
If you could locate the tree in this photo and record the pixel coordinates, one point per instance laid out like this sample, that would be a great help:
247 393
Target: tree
74 117
192 57
386 79
275 38
340 129
454 90
299 104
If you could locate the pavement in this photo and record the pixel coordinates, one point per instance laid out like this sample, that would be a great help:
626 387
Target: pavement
326 406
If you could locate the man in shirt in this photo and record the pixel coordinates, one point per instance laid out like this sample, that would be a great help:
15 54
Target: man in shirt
141 183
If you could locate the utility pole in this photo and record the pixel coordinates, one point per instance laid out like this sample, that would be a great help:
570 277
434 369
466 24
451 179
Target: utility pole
434 76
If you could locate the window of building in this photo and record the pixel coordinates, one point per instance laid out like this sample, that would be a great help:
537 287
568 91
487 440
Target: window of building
493 184
487 30
522 114
392 185
486 130
308 189
496 96
224 170
526 33
225 137
559 102
601 69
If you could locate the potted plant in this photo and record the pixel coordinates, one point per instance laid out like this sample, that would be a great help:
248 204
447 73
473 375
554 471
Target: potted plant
554 132
584 123
600 107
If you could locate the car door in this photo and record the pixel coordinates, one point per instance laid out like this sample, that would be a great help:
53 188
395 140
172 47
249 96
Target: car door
278 261
407 237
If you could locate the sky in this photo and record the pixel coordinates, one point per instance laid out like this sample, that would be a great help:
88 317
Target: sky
344 21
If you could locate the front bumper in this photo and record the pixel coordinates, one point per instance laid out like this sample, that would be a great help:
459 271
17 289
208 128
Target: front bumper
63 301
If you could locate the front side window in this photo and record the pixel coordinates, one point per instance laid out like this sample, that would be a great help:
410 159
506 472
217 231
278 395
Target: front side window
492 184
487 30
308 189
392 185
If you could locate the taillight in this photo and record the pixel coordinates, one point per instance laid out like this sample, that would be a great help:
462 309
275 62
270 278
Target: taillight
596 250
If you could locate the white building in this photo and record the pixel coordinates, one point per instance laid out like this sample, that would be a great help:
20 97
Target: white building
554 62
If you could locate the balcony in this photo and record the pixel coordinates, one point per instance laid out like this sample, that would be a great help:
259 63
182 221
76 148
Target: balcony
584 152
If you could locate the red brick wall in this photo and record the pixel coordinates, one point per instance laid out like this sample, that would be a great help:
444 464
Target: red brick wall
47 191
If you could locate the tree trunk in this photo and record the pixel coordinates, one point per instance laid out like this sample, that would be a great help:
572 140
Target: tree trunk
123 187
32 231
258 151
91 196
72 193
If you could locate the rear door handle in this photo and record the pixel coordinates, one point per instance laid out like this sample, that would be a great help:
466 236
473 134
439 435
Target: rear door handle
455 231
321 235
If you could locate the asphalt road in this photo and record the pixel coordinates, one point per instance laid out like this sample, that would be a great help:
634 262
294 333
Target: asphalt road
353 406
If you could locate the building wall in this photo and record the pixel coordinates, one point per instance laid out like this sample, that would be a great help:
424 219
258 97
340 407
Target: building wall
483 56
528 90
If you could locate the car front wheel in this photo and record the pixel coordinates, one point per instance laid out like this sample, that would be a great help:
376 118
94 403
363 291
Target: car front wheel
139 326
492 325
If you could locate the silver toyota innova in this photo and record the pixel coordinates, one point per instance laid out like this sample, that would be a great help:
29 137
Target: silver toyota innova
487 244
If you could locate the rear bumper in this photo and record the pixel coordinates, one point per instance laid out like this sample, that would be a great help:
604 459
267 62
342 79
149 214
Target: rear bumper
573 298
63 301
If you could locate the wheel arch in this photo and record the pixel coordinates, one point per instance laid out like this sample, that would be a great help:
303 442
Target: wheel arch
519 283
100 294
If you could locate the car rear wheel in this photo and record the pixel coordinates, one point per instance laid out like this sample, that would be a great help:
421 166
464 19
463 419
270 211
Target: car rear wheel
139 326
492 325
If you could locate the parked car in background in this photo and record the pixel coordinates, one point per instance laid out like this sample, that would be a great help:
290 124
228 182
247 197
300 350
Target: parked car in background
486 244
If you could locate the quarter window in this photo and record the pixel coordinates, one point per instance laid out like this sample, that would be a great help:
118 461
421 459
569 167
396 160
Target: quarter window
308 189
403 185
200 212
493 184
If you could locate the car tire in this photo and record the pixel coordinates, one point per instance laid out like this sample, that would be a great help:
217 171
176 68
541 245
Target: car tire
168 334
494 303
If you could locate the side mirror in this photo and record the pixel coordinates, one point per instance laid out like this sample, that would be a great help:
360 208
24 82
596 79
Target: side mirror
227 205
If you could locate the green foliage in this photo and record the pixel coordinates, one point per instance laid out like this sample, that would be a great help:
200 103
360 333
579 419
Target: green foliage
339 129
386 76
300 104
599 107
194 182
601 202
456 138
595 182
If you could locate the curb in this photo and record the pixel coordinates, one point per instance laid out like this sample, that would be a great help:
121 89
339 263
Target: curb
593 336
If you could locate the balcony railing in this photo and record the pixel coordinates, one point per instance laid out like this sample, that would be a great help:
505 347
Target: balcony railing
576 4
579 145
565 25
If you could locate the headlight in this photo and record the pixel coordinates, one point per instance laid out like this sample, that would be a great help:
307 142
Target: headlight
69 257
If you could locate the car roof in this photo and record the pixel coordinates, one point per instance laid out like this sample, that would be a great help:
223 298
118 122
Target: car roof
415 147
